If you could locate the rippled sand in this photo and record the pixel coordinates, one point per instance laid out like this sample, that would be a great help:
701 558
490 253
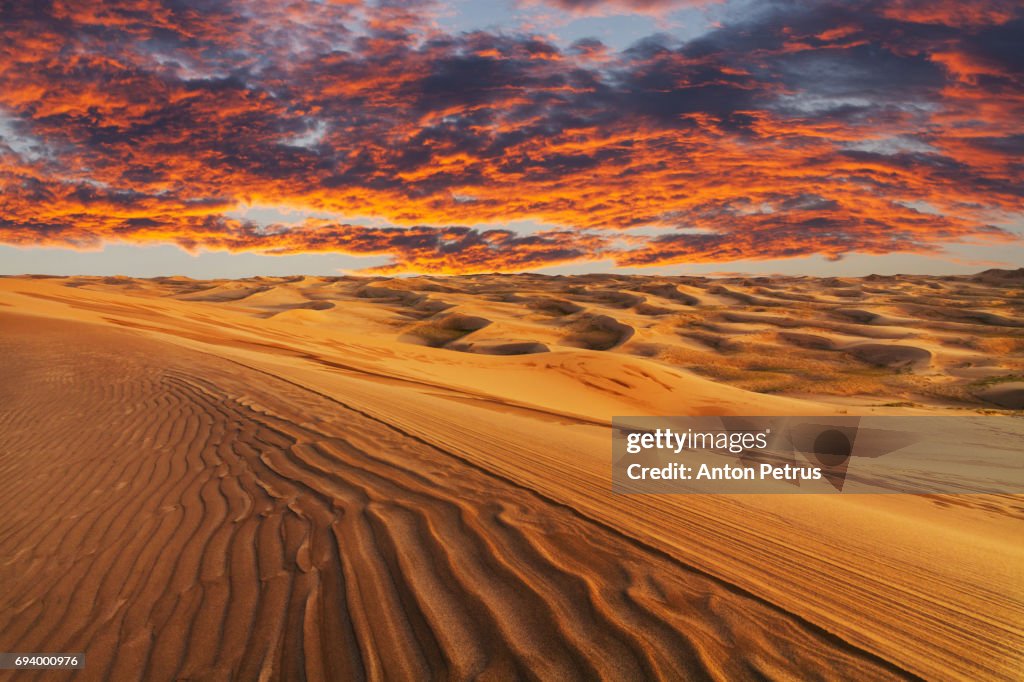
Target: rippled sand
337 478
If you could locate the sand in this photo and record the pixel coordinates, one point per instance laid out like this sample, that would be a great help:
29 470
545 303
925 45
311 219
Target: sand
338 478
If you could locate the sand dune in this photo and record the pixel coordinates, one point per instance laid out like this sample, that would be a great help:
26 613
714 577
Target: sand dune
442 331
891 355
598 332
815 341
672 292
554 306
1009 395
269 529
335 478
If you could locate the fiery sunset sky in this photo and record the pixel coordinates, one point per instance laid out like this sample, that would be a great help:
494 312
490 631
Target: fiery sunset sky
506 135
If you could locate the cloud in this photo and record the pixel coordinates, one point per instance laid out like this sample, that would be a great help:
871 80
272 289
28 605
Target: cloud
953 13
796 129
592 6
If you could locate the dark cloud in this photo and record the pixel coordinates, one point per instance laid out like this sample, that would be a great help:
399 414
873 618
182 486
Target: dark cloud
796 128
633 5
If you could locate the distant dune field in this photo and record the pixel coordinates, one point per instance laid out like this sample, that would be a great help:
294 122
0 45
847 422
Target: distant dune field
346 478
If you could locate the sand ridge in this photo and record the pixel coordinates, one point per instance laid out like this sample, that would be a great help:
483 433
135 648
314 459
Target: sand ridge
218 523
412 482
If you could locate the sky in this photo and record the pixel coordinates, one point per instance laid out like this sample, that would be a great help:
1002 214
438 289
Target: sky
228 139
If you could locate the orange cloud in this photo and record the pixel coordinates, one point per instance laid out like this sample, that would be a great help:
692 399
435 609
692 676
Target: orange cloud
827 130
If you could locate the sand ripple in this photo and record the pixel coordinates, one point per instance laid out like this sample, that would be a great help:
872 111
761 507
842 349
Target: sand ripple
213 521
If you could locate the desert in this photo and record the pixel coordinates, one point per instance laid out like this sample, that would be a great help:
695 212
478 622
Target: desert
326 325
407 478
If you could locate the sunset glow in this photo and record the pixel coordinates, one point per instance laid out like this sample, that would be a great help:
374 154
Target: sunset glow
772 130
